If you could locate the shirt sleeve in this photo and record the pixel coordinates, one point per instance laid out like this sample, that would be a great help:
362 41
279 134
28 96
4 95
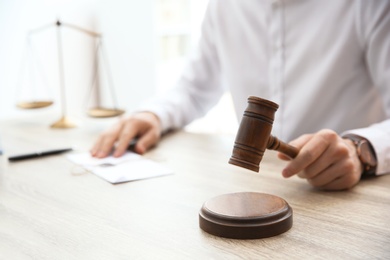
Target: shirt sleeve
199 87
374 20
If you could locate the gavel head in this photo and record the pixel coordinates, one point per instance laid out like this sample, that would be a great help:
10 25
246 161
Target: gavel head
253 133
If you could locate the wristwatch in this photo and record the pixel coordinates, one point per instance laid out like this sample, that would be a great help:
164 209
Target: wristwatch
366 154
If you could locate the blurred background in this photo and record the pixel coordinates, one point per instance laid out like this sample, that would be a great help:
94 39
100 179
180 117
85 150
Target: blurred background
147 44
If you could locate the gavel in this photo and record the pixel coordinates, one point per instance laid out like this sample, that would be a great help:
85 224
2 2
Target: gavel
254 135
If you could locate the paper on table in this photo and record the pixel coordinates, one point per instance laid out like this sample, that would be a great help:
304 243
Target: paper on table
129 167
85 159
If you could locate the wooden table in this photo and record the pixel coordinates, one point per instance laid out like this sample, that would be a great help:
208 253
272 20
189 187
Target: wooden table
48 210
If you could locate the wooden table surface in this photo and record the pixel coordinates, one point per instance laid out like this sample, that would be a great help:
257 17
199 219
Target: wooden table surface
50 210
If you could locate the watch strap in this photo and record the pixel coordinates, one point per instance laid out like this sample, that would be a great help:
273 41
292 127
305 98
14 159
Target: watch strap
368 169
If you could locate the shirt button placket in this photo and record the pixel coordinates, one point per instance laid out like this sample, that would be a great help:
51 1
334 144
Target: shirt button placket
276 40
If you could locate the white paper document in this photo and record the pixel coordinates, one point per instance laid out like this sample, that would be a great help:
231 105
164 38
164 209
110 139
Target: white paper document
129 167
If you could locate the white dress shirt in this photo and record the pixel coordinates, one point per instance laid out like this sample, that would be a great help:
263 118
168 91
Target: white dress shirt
326 63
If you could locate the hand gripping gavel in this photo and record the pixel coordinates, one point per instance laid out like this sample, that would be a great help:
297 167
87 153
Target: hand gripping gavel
254 135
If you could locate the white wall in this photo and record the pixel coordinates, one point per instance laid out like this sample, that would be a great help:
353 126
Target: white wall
127 27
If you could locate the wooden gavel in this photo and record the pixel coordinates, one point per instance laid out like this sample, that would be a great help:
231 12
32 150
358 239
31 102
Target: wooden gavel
254 135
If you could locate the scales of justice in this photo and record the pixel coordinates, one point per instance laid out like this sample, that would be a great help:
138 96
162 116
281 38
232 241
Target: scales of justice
99 58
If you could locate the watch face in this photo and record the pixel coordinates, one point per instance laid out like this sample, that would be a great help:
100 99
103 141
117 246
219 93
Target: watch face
366 154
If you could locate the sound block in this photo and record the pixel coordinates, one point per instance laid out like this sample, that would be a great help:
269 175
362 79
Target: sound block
245 215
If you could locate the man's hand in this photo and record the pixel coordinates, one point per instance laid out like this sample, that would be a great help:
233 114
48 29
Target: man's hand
144 125
326 160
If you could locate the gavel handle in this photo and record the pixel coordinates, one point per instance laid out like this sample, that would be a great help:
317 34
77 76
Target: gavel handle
275 144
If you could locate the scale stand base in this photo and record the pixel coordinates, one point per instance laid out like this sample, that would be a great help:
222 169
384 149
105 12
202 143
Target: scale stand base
245 215
64 122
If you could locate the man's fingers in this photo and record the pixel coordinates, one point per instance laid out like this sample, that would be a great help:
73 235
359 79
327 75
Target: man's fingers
335 153
298 143
146 141
105 142
104 145
301 141
143 125
95 148
327 161
128 133
340 183
323 178
308 154
334 178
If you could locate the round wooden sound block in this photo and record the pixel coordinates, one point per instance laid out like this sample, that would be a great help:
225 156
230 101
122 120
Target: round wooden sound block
245 215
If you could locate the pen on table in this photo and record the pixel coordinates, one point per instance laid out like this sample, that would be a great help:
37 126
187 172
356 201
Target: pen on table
38 154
